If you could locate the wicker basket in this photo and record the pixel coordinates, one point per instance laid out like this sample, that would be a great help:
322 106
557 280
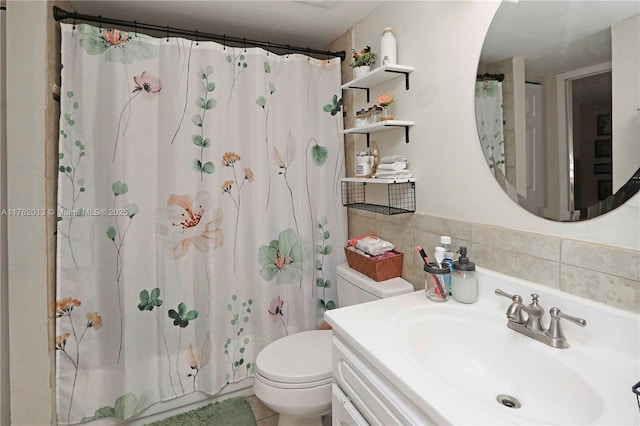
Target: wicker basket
381 270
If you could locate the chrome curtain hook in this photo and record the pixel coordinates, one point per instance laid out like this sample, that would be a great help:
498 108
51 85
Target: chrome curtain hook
308 54
135 28
288 50
244 44
197 39
167 34
224 42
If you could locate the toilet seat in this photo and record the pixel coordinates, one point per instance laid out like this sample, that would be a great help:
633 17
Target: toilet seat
300 360
284 385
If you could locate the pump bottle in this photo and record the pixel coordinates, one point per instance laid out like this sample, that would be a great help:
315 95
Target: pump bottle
464 283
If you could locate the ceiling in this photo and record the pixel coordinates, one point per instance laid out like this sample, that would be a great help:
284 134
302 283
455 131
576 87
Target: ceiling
312 23
555 36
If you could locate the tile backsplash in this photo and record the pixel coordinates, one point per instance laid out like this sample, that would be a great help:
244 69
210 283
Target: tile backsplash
601 273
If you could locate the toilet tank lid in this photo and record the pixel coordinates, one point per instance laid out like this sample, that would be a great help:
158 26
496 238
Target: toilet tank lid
298 358
381 289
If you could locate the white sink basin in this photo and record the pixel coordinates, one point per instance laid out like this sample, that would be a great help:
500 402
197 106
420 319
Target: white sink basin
477 358
451 360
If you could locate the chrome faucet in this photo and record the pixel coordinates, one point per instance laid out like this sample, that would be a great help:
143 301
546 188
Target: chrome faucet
533 325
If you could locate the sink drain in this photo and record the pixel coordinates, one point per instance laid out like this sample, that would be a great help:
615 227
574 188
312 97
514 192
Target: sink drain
508 401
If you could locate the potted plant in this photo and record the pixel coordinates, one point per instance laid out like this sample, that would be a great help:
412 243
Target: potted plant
362 61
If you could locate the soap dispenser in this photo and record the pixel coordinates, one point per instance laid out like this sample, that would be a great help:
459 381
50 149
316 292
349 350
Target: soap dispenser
464 283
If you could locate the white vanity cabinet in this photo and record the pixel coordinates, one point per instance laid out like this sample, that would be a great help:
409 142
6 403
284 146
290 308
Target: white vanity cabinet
363 396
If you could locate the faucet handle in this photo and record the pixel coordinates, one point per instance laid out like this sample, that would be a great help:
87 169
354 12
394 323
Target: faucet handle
510 296
514 312
555 331
556 313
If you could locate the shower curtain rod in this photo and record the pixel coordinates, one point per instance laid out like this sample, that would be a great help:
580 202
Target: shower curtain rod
486 76
60 14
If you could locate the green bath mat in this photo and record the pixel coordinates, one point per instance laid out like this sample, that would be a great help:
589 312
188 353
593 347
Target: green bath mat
230 412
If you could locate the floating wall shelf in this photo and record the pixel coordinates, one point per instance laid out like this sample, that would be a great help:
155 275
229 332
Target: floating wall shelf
380 126
378 76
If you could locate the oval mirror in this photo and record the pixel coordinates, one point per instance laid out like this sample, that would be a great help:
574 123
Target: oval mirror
558 105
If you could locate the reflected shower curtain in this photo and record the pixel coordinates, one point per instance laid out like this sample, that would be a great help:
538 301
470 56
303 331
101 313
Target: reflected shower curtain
489 119
198 216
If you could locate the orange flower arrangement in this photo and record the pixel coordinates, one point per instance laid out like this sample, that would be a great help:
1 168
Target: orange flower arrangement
384 100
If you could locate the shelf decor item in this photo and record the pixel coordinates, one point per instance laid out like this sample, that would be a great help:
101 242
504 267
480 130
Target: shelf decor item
363 61
388 47
385 100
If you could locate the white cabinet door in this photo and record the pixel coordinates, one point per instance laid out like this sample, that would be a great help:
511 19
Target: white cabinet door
343 412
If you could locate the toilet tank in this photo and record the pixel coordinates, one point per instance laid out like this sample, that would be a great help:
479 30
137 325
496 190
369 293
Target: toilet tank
354 287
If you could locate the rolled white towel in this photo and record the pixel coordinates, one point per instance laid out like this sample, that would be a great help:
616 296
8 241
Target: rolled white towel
393 159
397 166
390 174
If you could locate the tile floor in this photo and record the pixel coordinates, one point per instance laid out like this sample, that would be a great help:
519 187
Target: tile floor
264 415
267 417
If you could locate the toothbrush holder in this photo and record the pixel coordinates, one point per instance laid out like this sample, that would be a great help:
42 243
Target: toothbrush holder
434 284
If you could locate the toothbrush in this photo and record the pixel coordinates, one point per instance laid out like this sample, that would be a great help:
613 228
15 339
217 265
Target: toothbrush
423 255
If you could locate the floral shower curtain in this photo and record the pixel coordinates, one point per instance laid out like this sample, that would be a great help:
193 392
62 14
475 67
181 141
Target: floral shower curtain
198 217
489 118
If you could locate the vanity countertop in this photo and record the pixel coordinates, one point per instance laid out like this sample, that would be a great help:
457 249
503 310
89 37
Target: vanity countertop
452 359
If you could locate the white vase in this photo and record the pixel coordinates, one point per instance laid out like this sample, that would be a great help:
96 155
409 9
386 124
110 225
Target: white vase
388 48
361 71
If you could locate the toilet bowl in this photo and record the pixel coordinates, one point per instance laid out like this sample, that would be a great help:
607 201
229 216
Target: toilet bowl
293 374
293 377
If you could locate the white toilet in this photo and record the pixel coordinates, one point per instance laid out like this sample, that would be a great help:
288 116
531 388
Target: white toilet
293 374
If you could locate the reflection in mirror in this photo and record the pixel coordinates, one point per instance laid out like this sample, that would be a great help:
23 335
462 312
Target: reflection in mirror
558 105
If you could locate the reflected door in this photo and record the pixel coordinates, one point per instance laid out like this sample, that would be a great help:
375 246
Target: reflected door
534 147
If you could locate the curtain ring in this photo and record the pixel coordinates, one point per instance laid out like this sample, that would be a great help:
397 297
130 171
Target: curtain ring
74 24
167 34
224 42
197 39
288 50
135 28
100 22
268 48
308 54
244 44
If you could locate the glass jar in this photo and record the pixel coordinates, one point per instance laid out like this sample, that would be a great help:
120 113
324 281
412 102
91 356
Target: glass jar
370 116
386 113
361 118
377 113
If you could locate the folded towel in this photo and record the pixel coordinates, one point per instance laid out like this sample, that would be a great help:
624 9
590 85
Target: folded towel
397 166
393 159
390 174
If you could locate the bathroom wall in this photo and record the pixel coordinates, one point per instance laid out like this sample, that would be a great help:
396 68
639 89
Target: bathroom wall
456 194
626 67
30 371
33 66
4 311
